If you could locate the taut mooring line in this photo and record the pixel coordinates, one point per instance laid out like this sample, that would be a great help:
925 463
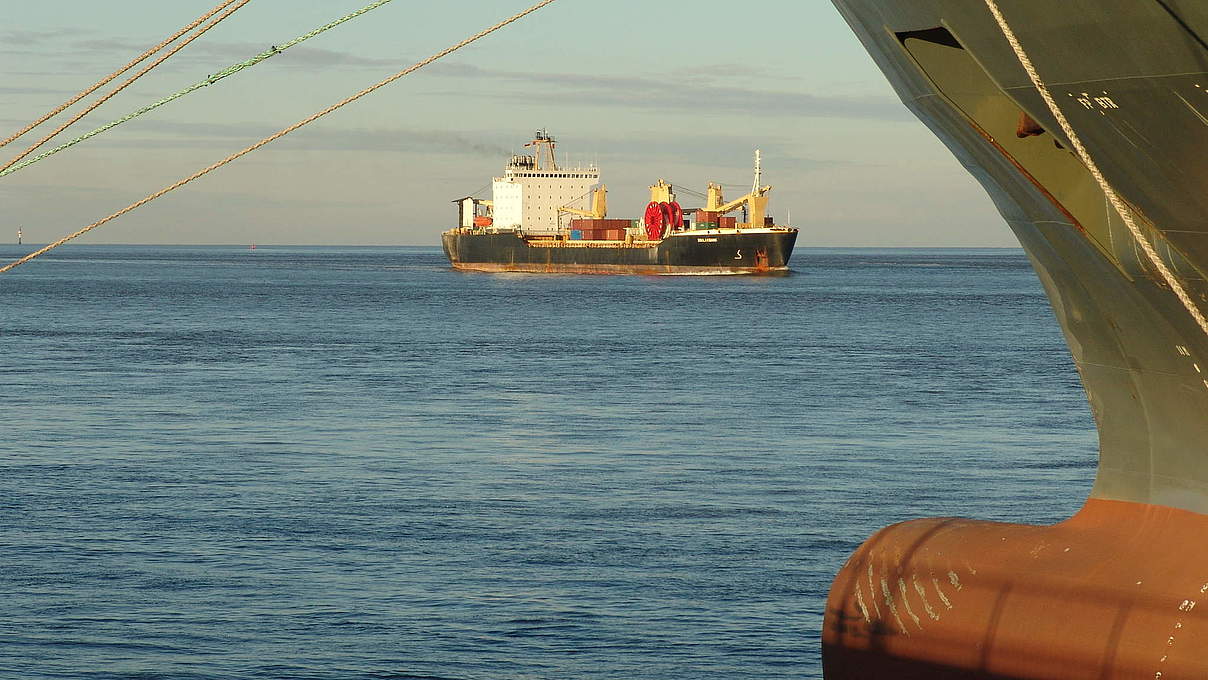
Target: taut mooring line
129 65
380 84
210 80
1121 207
127 83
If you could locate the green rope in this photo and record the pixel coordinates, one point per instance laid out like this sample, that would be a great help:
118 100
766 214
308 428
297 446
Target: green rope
229 71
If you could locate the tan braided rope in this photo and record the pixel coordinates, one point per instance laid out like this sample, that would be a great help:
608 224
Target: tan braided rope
1122 209
128 82
109 78
380 84
205 82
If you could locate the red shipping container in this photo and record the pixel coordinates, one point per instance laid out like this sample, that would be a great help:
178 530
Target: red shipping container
728 222
587 224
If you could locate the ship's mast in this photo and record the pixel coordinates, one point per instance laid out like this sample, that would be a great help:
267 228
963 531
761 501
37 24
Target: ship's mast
546 144
758 173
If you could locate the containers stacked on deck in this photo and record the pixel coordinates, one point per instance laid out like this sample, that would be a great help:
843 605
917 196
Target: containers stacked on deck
706 219
615 230
711 220
598 230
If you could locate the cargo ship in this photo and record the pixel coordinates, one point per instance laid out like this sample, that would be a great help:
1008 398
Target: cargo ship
1086 121
536 221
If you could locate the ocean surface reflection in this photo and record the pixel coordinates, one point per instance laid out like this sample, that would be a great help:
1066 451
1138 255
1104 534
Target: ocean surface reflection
357 463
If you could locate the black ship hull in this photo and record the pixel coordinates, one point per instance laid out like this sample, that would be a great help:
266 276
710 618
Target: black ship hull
754 251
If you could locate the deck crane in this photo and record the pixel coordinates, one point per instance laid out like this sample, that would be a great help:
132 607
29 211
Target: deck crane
599 205
756 201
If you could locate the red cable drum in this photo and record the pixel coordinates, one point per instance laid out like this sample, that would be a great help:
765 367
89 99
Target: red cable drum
654 221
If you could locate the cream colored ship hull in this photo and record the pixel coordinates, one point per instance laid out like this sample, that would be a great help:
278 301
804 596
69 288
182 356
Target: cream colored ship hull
1114 592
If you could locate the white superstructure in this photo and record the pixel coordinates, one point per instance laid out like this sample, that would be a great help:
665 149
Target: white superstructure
533 188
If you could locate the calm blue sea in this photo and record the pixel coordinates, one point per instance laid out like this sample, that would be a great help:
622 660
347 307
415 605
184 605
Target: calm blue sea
356 463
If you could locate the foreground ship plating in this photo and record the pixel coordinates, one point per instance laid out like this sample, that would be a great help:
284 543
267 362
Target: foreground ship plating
1087 122
529 225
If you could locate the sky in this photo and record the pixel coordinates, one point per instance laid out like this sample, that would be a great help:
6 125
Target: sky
679 91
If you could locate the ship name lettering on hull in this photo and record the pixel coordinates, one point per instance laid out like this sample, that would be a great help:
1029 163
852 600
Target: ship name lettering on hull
1092 102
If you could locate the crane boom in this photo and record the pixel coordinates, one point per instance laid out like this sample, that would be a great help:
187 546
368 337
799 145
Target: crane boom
739 202
756 201
599 205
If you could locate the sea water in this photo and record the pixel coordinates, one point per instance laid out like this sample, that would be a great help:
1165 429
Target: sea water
359 463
